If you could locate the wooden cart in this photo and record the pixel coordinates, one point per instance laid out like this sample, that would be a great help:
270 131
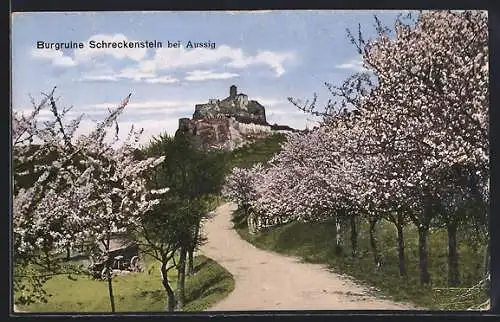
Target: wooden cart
123 255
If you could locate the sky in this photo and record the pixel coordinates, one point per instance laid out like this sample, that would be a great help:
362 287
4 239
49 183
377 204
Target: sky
268 55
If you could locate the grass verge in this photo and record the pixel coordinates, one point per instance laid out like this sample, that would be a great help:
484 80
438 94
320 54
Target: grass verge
136 292
314 243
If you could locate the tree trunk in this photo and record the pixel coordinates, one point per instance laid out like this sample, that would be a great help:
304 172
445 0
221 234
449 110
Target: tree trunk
338 237
68 253
401 249
109 277
166 285
354 236
181 279
423 233
252 223
373 241
453 270
190 266
109 271
487 259
246 209
48 261
190 262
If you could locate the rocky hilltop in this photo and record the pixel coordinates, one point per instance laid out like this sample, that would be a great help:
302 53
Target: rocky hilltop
229 123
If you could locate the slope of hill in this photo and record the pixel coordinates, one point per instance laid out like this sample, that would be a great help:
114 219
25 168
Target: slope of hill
259 151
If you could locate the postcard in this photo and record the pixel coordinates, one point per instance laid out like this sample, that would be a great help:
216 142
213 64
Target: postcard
268 160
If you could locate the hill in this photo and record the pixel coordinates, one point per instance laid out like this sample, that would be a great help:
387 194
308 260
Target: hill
259 151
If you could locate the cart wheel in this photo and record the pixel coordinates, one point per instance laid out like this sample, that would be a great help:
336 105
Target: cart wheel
104 273
134 264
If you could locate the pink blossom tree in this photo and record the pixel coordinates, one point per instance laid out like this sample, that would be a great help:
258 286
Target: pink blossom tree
423 107
309 180
239 187
430 108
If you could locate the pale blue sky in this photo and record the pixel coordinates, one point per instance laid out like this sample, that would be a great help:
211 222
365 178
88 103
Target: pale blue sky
269 55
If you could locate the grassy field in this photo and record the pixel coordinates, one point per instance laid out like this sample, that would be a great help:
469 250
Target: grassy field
314 242
136 292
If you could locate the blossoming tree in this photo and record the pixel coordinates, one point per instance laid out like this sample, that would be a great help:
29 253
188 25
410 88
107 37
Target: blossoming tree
71 191
422 111
430 107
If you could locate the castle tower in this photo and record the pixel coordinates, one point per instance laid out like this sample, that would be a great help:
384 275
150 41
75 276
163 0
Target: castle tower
232 91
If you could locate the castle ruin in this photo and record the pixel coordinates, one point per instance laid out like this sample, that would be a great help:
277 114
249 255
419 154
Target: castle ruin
235 105
230 122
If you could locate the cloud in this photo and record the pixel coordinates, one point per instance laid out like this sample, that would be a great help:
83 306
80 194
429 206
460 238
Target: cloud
163 113
201 75
57 57
144 107
268 102
272 59
353 64
133 74
170 58
161 80
64 61
281 108
87 53
43 115
296 121
99 78
153 128
150 128
286 111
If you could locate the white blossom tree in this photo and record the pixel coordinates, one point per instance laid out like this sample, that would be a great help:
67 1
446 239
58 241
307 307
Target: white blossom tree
70 191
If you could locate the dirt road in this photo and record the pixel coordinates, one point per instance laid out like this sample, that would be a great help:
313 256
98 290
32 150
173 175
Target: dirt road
269 281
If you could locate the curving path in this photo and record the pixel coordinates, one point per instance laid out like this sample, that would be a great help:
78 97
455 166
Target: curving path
269 281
